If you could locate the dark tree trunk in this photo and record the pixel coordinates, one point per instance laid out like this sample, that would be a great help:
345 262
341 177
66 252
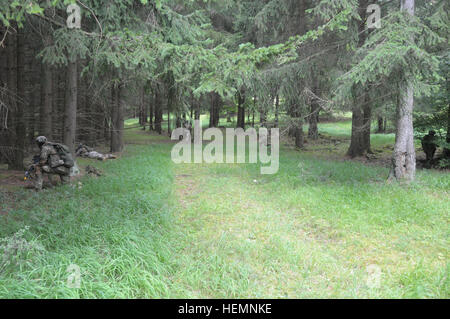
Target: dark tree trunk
83 119
196 109
263 118
447 150
99 124
45 123
215 110
169 128
277 110
241 111
143 109
117 117
360 139
367 123
89 115
13 103
107 127
380 125
357 143
158 109
313 131
59 86
151 109
254 110
22 95
33 88
70 113
3 98
299 136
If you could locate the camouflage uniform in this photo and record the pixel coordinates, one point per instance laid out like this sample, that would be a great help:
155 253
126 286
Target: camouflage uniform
429 145
50 163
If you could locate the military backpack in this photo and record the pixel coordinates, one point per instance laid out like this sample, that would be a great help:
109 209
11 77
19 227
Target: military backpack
64 153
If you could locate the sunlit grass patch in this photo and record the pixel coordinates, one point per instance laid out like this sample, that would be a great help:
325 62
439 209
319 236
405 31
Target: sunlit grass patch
313 229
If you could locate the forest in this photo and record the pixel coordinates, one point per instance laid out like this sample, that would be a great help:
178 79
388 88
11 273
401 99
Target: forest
354 95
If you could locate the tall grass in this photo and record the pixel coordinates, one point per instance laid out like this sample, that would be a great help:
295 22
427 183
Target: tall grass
116 229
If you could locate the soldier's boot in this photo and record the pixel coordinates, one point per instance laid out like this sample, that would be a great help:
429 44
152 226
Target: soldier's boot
39 180
65 179
51 180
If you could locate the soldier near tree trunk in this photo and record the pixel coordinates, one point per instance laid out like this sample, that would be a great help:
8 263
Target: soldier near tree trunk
51 162
429 145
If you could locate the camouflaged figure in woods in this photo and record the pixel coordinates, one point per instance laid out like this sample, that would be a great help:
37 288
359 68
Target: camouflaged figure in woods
50 163
429 145
87 152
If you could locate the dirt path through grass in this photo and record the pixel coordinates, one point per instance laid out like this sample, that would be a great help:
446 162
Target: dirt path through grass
244 247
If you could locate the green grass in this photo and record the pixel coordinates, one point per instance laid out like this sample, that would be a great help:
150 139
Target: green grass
152 229
312 230
116 228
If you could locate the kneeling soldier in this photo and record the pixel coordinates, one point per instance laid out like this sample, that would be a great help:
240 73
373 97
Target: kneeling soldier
49 163
429 145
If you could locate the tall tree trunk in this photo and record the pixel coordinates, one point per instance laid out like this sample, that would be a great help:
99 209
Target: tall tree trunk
143 108
10 150
277 110
151 109
367 123
212 112
357 140
241 110
404 158
158 109
313 118
3 99
299 135
45 123
169 128
70 112
254 110
83 121
59 104
447 150
360 139
89 113
117 117
263 118
32 82
215 110
22 95
313 130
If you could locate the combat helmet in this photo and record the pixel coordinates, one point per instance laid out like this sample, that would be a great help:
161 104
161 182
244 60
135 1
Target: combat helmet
41 140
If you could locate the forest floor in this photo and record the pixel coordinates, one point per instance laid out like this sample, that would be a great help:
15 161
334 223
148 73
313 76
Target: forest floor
325 226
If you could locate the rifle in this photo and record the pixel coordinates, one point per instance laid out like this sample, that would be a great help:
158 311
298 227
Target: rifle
30 172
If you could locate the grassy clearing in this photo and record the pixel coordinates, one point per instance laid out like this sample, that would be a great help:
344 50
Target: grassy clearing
312 230
150 229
